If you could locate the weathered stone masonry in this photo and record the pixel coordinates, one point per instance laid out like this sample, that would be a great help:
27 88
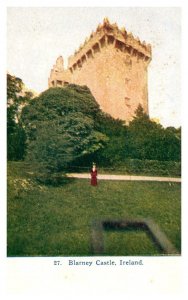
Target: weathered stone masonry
113 64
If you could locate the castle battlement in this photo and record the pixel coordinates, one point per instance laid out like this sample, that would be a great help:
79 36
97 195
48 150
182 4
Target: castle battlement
113 64
107 34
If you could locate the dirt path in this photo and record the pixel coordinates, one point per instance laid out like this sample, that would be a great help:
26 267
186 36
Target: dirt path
124 177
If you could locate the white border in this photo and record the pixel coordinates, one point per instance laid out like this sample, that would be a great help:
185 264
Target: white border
44 279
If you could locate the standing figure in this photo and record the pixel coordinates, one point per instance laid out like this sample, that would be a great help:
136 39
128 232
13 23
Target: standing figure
94 175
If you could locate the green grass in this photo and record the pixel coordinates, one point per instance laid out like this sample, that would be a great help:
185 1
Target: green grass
57 221
124 243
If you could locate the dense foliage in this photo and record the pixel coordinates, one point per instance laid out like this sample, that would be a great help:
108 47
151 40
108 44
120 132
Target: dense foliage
65 127
60 126
142 139
149 140
16 138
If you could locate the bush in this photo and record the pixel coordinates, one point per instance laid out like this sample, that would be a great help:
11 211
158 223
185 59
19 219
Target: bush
150 167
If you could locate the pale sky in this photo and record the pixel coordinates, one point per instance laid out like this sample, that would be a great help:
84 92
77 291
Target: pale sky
37 36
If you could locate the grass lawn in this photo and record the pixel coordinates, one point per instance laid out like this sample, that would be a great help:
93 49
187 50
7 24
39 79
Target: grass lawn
57 221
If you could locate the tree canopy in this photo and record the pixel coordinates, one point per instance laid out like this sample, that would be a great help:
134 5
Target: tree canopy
141 139
16 97
149 140
60 126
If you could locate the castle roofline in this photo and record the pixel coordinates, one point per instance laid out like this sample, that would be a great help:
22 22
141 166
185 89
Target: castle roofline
108 29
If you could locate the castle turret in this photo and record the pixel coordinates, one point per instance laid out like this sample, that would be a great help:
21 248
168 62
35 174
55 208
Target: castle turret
58 76
59 64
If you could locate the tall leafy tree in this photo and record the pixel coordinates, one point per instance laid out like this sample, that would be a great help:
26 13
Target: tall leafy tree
60 126
16 139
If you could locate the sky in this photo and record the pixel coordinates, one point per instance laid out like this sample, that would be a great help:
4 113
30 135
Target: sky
37 36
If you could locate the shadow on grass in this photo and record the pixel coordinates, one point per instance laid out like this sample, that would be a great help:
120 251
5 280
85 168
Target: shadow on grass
54 180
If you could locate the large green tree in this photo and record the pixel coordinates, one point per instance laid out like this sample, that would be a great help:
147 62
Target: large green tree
60 127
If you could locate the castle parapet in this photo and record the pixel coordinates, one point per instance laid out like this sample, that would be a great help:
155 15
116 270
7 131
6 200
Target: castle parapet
109 34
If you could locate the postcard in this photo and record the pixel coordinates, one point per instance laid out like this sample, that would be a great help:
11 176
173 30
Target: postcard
94 158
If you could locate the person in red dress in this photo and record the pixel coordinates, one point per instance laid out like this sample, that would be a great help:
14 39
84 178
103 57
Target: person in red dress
94 175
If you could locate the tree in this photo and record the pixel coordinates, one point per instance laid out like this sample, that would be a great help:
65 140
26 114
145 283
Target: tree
16 139
115 149
60 127
149 140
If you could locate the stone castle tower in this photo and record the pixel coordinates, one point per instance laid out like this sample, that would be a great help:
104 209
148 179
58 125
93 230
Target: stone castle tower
113 64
